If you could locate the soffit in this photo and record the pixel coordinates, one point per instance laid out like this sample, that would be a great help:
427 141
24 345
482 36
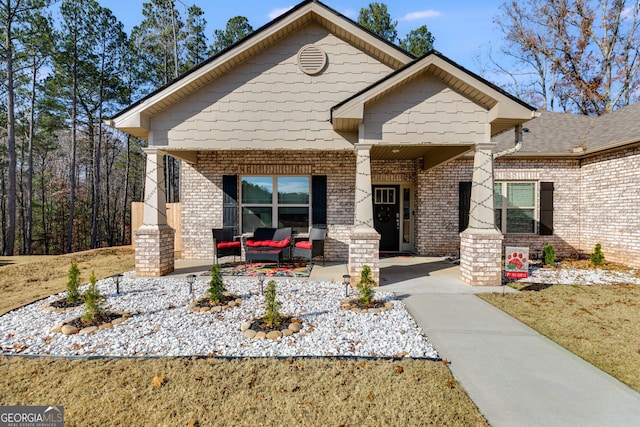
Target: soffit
432 155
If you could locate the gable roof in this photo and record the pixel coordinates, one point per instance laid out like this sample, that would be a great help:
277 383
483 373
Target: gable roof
505 110
135 118
566 134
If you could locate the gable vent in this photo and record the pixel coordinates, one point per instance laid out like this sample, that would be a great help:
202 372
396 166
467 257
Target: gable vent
311 59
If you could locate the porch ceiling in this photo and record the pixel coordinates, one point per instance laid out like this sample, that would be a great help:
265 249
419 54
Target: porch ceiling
432 155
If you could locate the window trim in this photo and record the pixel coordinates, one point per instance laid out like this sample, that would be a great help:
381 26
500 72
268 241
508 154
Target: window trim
505 206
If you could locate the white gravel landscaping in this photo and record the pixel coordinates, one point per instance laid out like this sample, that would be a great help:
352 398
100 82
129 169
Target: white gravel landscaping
570 276
162 324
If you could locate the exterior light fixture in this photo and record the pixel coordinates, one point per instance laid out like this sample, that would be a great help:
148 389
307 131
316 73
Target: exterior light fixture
261 277
190 279
116 278
347 280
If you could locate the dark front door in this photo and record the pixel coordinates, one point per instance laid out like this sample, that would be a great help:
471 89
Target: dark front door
386 216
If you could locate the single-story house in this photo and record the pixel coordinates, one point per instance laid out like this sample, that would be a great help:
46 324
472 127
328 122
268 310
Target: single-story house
314 120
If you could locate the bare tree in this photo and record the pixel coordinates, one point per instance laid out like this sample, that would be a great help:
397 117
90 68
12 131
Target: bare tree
584 54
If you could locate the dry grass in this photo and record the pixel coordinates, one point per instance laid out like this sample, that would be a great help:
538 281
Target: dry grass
600 324
217 392
250 392
26 279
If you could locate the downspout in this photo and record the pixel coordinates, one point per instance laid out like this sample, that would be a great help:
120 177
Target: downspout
515 148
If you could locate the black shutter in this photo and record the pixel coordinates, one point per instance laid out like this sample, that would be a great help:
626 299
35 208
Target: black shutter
230 201
319 199
464 203
546 208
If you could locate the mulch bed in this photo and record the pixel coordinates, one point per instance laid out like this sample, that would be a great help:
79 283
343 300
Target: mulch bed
106 317
259 325
65 304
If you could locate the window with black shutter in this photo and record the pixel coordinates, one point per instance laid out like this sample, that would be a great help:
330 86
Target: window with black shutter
546 208
464 204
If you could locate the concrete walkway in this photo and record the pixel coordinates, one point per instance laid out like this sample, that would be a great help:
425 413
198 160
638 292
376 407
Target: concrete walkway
515 376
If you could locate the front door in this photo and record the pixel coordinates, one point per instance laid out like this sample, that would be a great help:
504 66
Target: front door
386 216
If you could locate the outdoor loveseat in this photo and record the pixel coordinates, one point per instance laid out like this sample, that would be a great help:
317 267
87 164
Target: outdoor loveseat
268 244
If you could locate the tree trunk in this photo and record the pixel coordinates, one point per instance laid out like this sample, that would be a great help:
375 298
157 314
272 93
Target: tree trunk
10 233
125 198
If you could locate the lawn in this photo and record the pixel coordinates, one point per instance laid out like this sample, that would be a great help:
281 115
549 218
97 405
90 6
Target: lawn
601 324
211 391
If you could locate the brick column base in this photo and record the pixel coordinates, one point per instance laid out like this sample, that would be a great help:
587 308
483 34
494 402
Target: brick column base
481 257
364 250
154 250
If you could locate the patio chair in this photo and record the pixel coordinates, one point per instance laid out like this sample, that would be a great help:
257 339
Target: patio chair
224 243
314 247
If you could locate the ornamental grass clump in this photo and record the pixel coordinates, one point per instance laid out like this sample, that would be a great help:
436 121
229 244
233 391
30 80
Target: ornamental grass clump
597 257
216 285
93 302
272 307
73 293
365 287
549 254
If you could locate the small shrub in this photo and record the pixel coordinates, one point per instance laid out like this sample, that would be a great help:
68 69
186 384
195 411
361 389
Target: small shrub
216 285
549 254
73 294
597 257
271 305
93 302
365 286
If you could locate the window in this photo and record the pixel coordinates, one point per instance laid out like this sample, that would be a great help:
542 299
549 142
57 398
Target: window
515 206
275 201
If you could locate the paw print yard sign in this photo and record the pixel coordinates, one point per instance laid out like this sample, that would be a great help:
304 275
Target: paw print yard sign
516 263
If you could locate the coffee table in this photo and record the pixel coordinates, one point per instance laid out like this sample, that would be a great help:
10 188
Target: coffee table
263 255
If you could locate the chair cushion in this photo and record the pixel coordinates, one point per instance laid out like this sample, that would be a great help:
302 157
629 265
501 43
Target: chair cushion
224 245
269 243
306 244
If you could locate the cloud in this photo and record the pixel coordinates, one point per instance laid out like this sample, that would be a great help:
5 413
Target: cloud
350 13
627 13
277 12
423 14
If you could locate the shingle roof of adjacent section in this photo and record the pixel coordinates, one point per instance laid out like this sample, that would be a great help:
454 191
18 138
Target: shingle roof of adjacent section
572 134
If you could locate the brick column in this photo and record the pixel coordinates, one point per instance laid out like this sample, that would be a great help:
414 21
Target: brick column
154 239
481 242
364 244
364 247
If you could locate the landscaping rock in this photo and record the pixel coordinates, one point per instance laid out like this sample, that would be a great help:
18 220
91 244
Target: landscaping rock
295 327
56 328
245 326
89 330
105 326
249 333
260 335
274 335
69 330
286 332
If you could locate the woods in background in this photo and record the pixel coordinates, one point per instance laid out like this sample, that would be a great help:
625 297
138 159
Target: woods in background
68 180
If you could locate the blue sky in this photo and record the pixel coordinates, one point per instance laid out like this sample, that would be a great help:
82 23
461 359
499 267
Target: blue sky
463 29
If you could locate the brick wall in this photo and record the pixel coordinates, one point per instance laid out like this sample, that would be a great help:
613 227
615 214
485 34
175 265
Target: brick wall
437 203
595 200
201 192
609 214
